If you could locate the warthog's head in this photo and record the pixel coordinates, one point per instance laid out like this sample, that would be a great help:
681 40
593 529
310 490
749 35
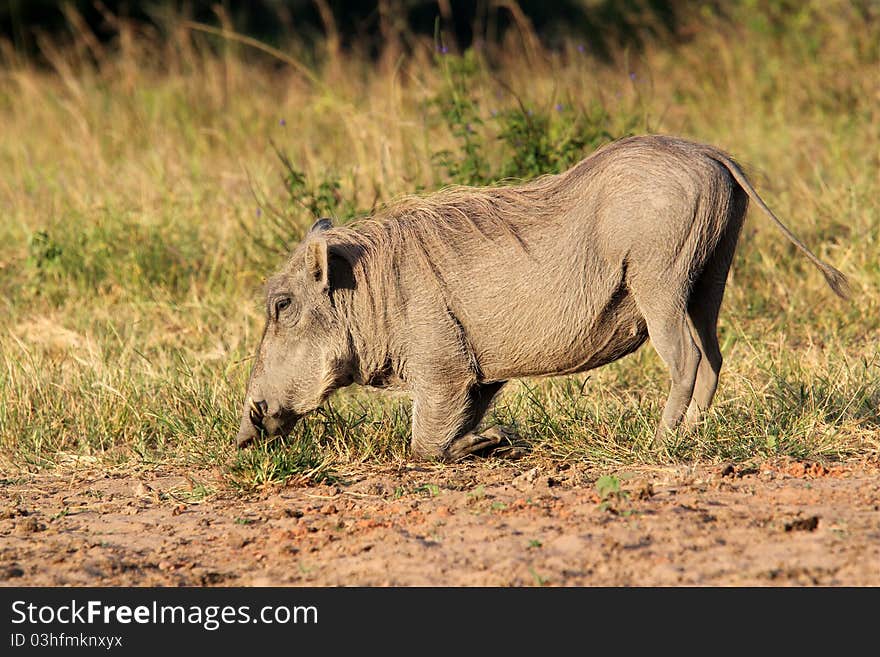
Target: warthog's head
304 353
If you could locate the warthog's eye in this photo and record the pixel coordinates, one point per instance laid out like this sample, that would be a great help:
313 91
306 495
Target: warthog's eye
281 305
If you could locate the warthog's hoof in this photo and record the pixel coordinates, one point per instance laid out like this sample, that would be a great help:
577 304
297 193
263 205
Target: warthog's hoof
495 441
660 436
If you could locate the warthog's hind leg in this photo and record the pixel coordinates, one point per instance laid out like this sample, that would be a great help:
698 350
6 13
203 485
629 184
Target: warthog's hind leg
671 337
444 424
703 308
703 316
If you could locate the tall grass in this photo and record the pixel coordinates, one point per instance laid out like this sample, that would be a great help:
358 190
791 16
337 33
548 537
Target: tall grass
143 202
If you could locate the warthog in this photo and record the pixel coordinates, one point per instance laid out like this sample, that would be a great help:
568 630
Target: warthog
451 295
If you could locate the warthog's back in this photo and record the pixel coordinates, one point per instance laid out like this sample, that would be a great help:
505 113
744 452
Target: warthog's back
556 299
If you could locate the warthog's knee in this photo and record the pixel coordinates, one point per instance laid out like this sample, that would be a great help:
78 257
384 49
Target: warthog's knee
423 450
495 440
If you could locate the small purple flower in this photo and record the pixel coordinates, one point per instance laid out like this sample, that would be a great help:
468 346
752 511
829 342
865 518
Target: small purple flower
530 113
581 47
282 123
559 107
442 50
632 76
259 212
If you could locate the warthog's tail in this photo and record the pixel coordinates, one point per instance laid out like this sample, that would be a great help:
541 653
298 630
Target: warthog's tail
836 280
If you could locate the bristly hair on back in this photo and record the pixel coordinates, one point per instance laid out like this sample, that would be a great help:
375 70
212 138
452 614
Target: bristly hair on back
433 220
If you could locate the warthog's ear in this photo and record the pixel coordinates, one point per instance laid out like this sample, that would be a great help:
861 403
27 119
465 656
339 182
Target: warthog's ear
321 225
316 262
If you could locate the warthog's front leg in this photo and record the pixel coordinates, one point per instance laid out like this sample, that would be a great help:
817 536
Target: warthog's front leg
494 441
444 421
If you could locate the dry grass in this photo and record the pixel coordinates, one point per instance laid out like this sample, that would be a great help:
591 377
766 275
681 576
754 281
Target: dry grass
130 271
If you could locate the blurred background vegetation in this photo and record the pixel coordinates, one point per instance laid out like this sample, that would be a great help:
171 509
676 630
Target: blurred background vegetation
158 159
370 25
602 27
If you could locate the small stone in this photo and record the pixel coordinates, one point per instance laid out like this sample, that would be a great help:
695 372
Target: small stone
141 489
802 524
529 476
644 490
29 526
11 572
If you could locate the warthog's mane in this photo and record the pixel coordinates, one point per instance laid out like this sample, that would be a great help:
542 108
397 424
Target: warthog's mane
432 225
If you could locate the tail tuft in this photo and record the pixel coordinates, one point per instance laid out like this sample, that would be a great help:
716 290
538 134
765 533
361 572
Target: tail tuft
836 280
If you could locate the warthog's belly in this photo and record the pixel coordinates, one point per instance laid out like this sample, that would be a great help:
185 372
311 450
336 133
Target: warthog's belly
619 329
567 343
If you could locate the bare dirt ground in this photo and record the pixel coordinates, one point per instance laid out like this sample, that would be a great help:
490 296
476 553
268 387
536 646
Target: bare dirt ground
478 523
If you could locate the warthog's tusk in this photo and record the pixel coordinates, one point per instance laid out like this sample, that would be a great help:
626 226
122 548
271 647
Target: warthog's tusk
256 409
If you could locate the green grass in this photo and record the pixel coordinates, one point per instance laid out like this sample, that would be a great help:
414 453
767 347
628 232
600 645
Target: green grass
143 201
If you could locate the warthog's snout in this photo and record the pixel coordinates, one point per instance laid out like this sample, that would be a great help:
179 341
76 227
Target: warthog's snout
258 419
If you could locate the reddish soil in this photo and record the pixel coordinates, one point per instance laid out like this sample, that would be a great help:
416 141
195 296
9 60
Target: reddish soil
478 523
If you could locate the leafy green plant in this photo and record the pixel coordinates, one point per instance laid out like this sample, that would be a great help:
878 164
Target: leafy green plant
460 112
610 493
432 490
533 141
539 580
316 198
307 199
478 493
43 252
539 142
